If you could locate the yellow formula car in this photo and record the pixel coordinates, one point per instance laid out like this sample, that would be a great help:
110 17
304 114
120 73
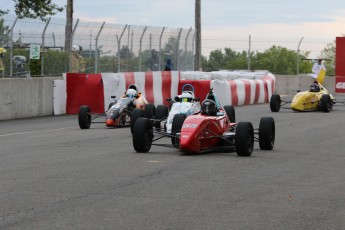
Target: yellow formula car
316 98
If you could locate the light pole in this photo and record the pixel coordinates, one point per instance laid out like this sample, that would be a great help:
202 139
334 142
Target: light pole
298 56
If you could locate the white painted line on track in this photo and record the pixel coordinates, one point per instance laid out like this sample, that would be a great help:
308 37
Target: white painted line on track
38 131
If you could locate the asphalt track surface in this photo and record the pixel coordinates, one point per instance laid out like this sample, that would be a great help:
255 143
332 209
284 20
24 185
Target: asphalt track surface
54 175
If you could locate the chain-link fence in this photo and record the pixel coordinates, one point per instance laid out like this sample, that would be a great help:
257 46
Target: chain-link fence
97 47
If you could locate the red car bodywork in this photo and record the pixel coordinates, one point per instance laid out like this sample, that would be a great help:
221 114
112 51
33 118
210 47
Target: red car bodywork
200 132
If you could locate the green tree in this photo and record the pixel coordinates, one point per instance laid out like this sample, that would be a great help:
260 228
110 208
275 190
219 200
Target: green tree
4 32
215 61
36 9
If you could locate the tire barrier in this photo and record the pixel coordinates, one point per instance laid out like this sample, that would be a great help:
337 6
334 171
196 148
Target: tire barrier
95 90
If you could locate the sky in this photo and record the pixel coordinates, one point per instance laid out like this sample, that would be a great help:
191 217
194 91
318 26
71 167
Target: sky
227 23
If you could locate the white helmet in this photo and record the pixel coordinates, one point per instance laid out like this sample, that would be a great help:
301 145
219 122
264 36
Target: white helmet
186 97
131 93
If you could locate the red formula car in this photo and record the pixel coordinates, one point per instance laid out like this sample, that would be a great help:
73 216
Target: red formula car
209 130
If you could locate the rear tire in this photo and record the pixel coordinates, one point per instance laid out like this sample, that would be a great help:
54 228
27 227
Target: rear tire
142 135
84 117
135 115
275 102
230 111
266 133
176 128
244 139
326 103
162 112
149 111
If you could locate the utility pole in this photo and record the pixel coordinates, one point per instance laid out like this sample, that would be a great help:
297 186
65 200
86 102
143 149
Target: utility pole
68 28
197 59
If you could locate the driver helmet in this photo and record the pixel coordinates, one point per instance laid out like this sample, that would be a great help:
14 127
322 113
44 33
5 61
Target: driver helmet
131 93
133 86
208 107
314 87
186 97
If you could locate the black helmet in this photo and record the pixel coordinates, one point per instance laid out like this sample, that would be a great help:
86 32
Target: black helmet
314 87
208 107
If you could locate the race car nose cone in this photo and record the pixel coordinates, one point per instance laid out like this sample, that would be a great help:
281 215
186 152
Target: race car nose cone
109 122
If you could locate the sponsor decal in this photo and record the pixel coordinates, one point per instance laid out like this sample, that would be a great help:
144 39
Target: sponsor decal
340 85
193 126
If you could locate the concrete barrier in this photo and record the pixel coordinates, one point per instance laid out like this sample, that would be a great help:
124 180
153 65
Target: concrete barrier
289 84
26 97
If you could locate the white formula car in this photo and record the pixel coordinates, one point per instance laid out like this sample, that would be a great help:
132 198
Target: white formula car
182 106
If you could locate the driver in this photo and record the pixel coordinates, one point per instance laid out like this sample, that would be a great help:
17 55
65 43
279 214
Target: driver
140 100
186 97
131 93
314 87
208 107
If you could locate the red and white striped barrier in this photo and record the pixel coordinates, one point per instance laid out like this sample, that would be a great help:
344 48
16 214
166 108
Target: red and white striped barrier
257 88
155 86
96 90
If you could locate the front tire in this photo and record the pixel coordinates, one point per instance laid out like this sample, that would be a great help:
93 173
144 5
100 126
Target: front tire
135 115
326 103
84 117
162 112
149 111
142 135
176 127
244 139
266 133
275 102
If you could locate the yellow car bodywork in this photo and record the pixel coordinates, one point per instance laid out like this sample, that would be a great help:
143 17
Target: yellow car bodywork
306 100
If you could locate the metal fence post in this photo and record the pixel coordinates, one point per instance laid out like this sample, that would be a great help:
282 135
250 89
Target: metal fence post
11 47
185 45
141 40
249 50
297 71
193 51
43 34
178 50
160 50
119 49
96 47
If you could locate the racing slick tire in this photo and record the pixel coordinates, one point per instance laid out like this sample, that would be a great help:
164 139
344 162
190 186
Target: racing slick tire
176 128
244 139
162 112
275 103
230 111
135 115
149 111
326 103
110 105
266 133
84 117
142 135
